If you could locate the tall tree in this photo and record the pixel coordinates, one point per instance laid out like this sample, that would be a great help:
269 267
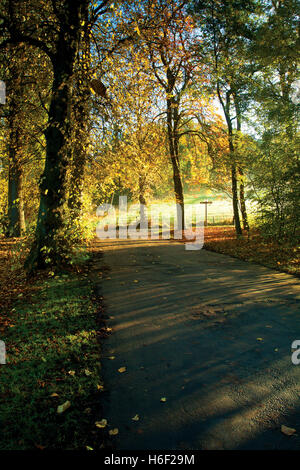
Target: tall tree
80 113
227 27
24 116
16 98
59 38
275 51
169 52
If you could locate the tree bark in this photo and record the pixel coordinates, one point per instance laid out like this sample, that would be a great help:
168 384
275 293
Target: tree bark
16 217
234 183
142 201
172 124
240 170
235 201
243 201
81 127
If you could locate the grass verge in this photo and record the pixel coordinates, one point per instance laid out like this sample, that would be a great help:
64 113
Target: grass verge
53 356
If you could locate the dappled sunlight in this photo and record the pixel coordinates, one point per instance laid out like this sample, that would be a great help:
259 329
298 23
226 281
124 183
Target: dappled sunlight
205 331
281 254
149 180
254 414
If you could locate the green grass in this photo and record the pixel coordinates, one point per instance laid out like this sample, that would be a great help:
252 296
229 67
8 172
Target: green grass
51 349
219 212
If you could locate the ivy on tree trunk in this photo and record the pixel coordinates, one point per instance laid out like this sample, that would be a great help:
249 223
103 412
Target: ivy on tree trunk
53 181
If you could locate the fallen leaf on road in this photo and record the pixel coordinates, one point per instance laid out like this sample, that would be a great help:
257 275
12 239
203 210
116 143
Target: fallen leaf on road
53 395
135 418
71 372
112 358
39 446
259 339
163 399
101 424
287 431
113 432
63 407
122 369
100 387
136 280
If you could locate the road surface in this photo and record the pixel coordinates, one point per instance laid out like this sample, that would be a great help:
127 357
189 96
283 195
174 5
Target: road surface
210 335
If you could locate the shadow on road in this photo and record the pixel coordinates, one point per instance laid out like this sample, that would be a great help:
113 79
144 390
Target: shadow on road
212 335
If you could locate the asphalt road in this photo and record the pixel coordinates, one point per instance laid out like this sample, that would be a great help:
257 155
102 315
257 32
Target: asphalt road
210 334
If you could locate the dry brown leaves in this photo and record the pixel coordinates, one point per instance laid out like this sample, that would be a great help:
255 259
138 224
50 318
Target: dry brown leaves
13 282
283 256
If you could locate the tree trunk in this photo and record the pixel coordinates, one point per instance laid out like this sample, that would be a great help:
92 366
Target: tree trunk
242 201
142 201
45 250
143 217
235 201
15 203
240 170
16 216
234 183
81 128
174 155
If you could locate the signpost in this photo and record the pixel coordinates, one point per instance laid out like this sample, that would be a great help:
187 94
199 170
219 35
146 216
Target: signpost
205 202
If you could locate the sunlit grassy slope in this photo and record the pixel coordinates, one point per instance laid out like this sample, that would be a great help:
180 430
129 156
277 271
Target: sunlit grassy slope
219 211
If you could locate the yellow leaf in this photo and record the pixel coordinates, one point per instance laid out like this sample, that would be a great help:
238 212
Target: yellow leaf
63 407
122 369
287 431
101 424
113 432
163 399
135 418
